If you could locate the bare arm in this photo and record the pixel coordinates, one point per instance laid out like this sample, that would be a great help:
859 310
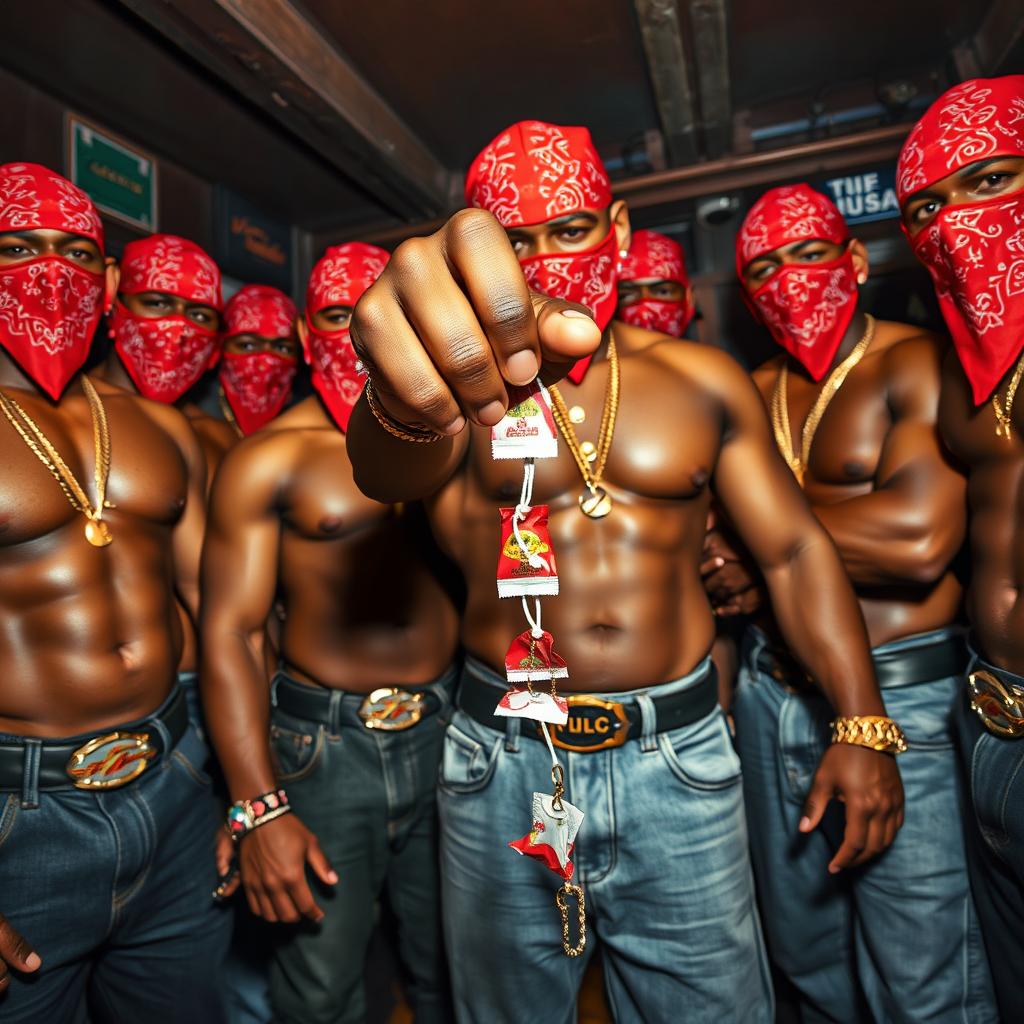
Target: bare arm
442 330
815 607
239 582
909 528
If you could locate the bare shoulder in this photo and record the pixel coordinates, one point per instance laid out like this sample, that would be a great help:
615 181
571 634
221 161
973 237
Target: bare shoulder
911 360
709 369
257 469
765 375
209 428
304 415
169 419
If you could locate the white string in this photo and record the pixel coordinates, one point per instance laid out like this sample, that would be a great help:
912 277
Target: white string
546 729
533 558
534 620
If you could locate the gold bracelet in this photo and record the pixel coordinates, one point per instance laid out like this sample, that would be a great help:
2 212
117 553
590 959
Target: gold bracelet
874 731
402 431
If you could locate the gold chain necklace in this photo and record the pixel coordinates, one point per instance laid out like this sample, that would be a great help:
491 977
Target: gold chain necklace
1004 409
780 408
225 408
97 532
595 501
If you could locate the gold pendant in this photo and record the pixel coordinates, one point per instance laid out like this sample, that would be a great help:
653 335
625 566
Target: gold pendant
97 533
588 451
577 414
596 503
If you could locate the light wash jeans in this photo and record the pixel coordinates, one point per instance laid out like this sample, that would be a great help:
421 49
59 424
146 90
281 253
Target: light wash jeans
897 939
994 768
662 856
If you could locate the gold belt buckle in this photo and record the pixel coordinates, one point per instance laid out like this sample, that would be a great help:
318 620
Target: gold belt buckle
604 720
1000 710
111 761
391 709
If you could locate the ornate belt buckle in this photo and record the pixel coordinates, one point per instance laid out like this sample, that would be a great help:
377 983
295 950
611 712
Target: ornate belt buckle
594 724
111 761
999 708
391 709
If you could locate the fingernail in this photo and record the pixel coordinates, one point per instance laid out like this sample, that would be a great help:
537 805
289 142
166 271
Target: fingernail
805 824
32 961
332 877
577 314
456 425
832 870
521 367
491 413
719 562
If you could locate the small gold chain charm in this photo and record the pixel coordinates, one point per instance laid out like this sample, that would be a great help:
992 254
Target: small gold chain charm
561 898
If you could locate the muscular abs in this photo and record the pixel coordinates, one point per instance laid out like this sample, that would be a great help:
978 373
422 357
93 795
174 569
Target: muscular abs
90 636
631 610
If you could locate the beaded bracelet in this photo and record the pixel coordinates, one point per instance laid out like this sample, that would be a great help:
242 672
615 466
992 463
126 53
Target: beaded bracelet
245 815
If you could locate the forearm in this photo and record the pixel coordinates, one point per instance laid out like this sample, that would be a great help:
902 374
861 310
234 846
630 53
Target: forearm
391 470
821 621
885 539
236 699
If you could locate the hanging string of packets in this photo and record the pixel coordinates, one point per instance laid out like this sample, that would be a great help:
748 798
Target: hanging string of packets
527 570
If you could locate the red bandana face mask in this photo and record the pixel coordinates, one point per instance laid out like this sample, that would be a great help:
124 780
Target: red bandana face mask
669 316
534 172
588 277
656 257
49 307
339 279
807 307
165 356
975 254
257 386
974 251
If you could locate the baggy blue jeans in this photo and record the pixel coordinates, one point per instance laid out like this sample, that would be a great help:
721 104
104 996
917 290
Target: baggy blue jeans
662 856
113 890
897 939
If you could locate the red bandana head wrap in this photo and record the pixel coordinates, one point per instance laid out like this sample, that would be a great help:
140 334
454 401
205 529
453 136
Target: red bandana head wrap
807 308
974 251
165 356
656 257
534 172
340 277
49 306
257 384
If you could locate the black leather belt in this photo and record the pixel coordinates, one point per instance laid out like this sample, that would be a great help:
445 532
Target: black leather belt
388 709
945 657
595 723
106 760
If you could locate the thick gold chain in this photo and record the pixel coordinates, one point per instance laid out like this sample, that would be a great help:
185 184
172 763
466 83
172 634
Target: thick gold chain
40 445
561 900
780 407
592 477
1004 409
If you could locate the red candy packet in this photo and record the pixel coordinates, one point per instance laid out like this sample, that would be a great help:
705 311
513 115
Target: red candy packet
527 430
552 838
531 659
529 570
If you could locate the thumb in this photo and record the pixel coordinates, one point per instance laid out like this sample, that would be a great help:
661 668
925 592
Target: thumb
320 864
566 330
16 951
224 852
816 802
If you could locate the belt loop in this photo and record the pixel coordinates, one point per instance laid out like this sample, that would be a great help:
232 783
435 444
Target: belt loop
334 711
648 723
30 773
512 729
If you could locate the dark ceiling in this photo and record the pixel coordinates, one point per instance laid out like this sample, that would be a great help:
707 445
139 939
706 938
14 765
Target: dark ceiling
319 110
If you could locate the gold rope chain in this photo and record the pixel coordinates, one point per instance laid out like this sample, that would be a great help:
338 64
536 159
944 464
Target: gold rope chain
97 532
595 501
780 407
1004 409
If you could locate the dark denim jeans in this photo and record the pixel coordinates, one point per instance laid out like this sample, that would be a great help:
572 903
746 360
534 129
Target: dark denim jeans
113 891
994 769
896 940
370 798
662 855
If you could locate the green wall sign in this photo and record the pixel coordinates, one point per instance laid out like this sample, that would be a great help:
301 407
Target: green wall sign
120 180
